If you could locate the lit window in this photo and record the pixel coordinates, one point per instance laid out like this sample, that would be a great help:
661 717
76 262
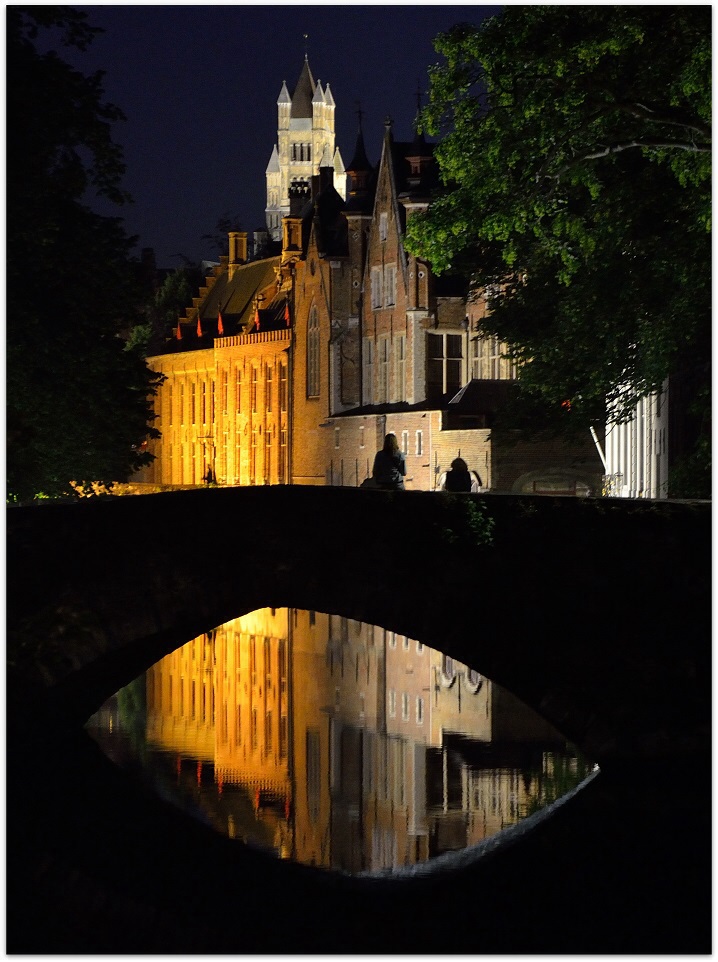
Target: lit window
268 388
253 386
283 388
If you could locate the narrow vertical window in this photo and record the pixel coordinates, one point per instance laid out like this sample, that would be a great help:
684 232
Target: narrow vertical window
193 403
419 443
225 392
268 389
389 285
400 365
336 438
383 370
419 710
405 706
383 225
376 291
313 354
405 442
238 391
283 388
313 774
282 465
368 372
254 385
361 437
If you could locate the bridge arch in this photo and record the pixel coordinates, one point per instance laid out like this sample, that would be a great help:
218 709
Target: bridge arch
595 613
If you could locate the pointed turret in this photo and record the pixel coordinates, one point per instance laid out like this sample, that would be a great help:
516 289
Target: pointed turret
303 94
360 175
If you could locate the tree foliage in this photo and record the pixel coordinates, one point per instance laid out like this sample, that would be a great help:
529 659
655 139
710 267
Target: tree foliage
575 158
168 302
78 399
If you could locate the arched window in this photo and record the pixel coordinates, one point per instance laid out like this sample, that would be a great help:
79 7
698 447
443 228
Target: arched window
313 354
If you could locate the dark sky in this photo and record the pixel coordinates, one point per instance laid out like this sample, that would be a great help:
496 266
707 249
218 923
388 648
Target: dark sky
199 86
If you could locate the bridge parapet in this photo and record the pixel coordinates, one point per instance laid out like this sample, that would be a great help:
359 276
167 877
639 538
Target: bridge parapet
595 612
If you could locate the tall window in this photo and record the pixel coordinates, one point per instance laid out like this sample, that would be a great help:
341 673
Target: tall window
281 466
268 456
193 403
405 706
181 404
400 367
383 369
268 389
376 292
238 391
405 442
225 392
389 285
313 354
282 387
444 363
204 402
383 225
419 443
313 774
253 390
368 372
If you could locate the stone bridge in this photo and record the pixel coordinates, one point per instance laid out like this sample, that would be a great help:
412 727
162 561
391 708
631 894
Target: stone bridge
595 612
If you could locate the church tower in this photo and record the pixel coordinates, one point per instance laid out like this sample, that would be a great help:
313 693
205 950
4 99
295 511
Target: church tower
305 142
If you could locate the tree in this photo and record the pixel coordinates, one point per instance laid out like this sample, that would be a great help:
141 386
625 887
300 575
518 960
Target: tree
575 159
168 302
78 398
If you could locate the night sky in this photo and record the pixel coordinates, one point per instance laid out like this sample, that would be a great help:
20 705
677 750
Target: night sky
199 86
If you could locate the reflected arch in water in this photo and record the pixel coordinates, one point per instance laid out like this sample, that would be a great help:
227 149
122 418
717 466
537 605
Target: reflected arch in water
339 744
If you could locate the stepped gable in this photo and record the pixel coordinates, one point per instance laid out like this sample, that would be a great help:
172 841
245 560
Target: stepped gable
235 299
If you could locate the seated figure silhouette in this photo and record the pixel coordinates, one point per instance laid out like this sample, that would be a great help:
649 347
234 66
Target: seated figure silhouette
458 478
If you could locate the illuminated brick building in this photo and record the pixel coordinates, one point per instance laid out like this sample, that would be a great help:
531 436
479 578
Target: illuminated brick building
291 368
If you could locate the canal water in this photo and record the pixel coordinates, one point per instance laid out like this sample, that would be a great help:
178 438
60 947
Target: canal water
334 743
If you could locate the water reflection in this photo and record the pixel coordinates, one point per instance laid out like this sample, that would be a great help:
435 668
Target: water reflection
335 743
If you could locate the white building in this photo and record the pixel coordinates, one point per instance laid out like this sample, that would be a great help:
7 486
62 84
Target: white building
637 451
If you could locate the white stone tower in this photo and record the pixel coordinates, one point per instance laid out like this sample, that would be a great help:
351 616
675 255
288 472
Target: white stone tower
305 142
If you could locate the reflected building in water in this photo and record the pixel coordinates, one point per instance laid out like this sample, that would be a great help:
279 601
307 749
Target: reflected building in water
345 745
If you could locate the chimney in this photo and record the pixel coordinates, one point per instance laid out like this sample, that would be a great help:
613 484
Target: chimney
237 251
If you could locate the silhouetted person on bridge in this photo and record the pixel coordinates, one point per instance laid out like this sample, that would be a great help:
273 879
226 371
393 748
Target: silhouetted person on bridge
389 466
459 478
